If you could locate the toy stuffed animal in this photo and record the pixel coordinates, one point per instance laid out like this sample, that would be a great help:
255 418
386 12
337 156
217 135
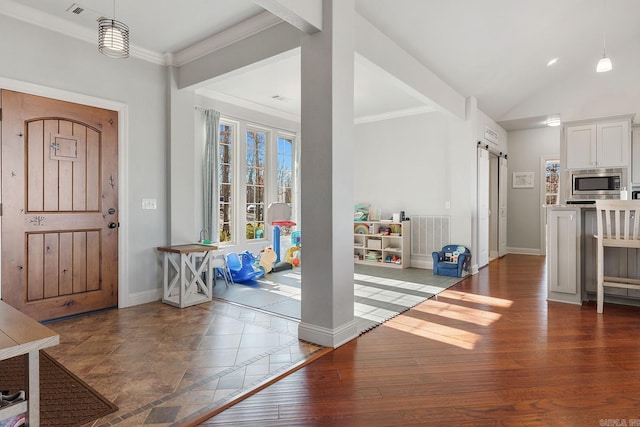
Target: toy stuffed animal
267 259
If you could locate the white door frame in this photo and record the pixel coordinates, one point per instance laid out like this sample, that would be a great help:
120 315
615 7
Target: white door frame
543 209
502 205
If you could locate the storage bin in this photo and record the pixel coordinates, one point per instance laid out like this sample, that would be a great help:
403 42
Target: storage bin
374 244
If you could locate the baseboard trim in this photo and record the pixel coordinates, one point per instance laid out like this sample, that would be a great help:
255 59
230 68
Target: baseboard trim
422 264
524 251
143 297
328 337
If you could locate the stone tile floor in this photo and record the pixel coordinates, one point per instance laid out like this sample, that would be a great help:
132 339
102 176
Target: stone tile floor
165 366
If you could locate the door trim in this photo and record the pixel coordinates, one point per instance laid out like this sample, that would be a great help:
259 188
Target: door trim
124 299
543 192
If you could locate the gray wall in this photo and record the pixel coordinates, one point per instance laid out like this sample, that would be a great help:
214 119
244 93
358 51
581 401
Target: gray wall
526 148
35 56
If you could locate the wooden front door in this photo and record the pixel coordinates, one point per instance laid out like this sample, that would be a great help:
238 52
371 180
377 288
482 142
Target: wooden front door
59 206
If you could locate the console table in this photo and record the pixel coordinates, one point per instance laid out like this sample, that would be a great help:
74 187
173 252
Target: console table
21 335
184 267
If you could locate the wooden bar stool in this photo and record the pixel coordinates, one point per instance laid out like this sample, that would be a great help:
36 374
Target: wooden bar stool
618 226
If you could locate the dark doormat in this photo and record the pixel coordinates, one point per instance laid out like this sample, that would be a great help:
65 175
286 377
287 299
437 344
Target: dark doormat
65 400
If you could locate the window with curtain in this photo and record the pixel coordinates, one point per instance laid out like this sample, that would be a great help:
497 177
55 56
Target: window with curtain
256 150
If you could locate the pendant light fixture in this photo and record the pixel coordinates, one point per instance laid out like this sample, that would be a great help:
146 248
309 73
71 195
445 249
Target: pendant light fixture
113 37
604 64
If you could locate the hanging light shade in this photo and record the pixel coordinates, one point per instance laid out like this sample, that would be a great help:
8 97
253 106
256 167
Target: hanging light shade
604 64
113 37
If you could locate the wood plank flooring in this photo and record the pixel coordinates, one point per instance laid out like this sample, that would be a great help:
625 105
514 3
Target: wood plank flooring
489 351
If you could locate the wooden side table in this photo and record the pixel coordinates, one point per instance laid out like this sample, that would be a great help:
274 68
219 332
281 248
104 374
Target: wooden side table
22 335
184 266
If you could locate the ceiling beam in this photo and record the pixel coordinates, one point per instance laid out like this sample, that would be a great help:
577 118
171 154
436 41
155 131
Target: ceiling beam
305 15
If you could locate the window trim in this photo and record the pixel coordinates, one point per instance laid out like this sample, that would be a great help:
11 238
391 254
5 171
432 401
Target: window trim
239 170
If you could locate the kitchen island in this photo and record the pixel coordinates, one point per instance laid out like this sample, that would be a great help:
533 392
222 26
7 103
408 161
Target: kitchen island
571 258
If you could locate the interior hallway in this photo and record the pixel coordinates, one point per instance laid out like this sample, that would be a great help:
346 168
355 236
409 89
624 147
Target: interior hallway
488 351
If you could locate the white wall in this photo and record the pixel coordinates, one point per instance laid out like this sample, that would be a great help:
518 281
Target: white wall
38 58
418 164
526 148
400 164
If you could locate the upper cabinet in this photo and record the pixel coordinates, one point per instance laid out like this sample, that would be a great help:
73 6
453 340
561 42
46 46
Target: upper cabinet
598 145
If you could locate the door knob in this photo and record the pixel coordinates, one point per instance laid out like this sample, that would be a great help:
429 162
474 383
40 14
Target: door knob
113 225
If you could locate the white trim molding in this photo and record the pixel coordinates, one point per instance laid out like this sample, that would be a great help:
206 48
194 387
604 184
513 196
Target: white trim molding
524 251
333 338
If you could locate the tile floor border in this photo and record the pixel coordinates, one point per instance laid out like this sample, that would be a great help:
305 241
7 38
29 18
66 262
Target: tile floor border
245 389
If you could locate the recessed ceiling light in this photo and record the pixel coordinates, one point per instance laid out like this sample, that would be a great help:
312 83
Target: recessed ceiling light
552 62
553 121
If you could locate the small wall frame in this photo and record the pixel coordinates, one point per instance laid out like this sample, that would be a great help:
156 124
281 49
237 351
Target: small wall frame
522 180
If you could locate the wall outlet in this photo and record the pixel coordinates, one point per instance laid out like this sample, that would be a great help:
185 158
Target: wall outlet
148 203
447 205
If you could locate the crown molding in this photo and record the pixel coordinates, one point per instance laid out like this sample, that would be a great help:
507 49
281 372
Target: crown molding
225 38
248 104
394 114
50 22
209 93
218 41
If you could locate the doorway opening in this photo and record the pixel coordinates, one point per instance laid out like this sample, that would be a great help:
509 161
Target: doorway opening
550 195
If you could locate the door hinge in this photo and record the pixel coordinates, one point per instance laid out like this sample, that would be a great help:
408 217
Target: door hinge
0 209
0 114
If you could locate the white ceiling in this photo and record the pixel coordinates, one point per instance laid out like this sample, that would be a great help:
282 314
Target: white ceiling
495 50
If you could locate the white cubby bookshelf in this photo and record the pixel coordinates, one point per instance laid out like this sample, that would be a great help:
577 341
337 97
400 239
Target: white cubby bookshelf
382 243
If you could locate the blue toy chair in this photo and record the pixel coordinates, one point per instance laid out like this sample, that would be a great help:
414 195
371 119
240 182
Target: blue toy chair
452 260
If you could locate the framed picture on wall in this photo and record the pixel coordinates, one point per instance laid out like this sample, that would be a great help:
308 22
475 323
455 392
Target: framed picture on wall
522 180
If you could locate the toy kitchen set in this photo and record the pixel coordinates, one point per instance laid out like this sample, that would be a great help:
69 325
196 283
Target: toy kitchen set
599 160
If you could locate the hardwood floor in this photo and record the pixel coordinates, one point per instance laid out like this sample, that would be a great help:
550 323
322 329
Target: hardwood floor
489 351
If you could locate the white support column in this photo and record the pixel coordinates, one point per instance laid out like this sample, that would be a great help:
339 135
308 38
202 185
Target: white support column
327 178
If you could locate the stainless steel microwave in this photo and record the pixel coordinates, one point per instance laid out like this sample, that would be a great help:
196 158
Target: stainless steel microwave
597 184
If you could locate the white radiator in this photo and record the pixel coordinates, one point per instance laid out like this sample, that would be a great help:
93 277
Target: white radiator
429 233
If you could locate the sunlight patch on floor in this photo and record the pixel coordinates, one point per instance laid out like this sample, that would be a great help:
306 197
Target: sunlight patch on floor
479 299
400 284
433 331
457 312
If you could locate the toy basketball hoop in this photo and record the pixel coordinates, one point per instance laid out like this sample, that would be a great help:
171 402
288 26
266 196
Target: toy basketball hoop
279 214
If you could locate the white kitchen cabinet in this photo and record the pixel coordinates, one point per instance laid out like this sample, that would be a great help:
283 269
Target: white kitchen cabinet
635 156
563 255
598 145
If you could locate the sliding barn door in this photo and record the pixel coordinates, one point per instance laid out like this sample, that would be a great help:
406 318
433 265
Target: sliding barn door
60 206
483 208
